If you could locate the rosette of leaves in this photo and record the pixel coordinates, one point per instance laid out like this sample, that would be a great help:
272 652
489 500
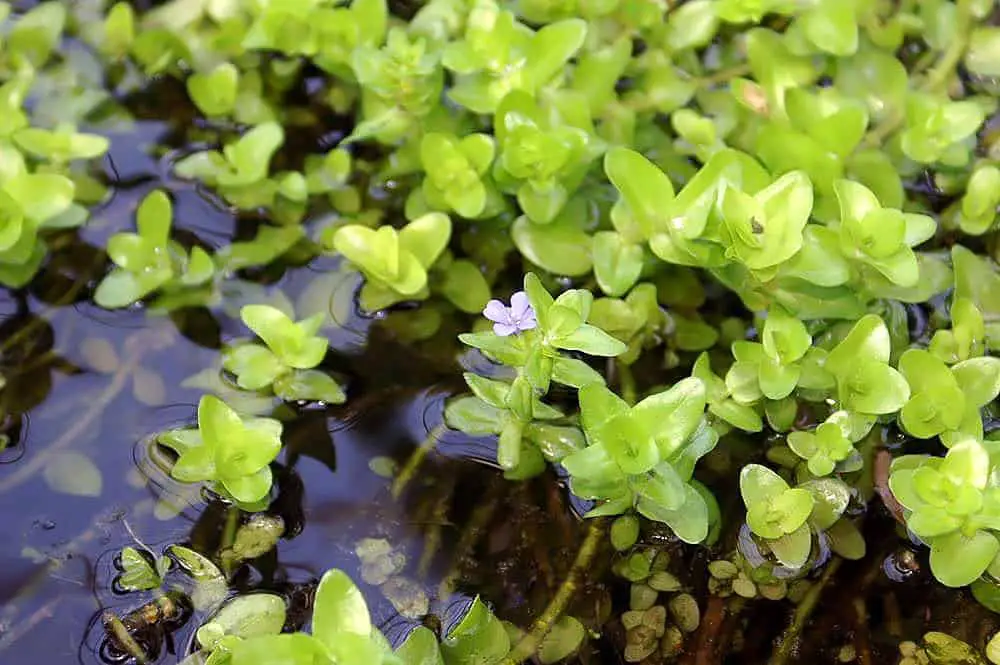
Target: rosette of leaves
940 130
784 359
498 54
394 263
830 446
778 513
148 261
946 401
642 457
976 213
285 362
880 239
401 84
60 145
763 230
455 171
822 130
527 437
239 172
636 320
30 203
231 452
561 326
619 254
329 174
953 505
720 400
965 339
317 29
977 280
248 631
539 160
866 383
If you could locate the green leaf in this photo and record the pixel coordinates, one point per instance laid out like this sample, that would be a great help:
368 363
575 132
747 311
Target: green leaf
426 237
982 57
255 366
646 190
478 639
73 473
339 609
873 388
617 264
41 196
465 286
868 340
310 385
792 549
551 48
979 379
957 560
561 246
473 416
832 27
420 648
250 615
591 340
287 649
562 640
214 92
137 573
758 483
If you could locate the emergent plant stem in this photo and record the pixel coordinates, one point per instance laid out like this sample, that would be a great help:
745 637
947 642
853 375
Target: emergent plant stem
529 644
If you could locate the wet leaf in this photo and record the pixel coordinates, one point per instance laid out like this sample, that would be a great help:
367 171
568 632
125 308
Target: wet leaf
563 639
248 616
73 473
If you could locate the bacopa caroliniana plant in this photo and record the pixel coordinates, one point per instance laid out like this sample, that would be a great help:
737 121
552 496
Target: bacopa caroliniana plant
784 212
231 452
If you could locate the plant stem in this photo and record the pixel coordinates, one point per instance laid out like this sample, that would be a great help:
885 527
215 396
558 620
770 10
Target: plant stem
416 459
529 644
471 534
724 75
627 383
790 639
936 79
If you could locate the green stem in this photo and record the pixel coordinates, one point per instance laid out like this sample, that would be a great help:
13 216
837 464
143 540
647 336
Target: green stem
724 75
790 639
416 459
627 383
529 644
936 79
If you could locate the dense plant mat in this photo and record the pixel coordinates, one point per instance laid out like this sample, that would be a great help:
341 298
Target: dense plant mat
719 277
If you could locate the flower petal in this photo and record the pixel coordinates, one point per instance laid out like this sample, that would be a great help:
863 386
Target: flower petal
527 322
504 329
520 306
496 311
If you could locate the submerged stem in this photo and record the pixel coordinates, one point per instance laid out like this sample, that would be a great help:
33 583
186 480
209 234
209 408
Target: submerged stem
564 594
790 639
416 459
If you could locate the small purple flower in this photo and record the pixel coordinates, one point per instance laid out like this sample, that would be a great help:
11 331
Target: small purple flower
511 320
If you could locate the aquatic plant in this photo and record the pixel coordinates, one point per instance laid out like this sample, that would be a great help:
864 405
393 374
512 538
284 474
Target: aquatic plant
685 247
